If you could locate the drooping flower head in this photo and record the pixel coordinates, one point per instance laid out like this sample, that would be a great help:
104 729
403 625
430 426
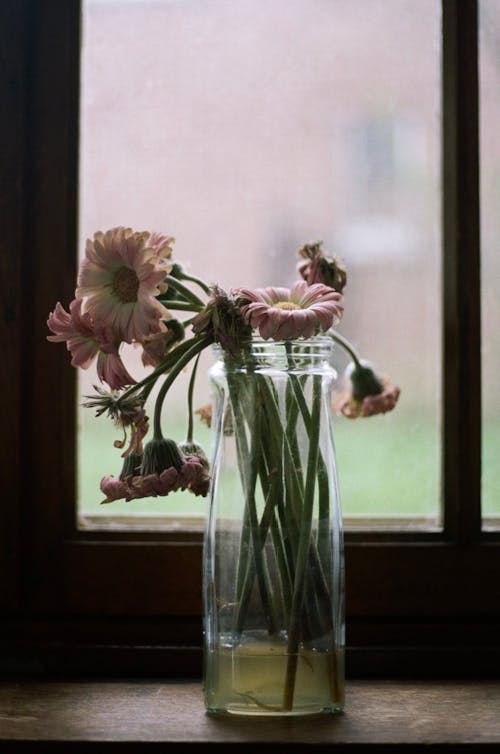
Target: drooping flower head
86 341
368 394
222 319
160 454
192 475
192 448
126 412
317 267
131 465
119 279
286 313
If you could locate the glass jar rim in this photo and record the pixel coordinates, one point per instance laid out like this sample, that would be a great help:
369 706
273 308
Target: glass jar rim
294 354
320 340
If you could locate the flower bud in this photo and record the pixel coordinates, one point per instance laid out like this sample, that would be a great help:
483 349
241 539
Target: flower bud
176 271
176 330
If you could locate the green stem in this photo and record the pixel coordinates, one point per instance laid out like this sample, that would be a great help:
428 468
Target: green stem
248 459
167 363
345 345
193 279
323 487
282 446
181 305
192 380
197 346
304 546
271 484
184 291
247 570
291 517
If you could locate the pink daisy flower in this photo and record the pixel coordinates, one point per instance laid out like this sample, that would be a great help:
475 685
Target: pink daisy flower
287 313
119 280
84 341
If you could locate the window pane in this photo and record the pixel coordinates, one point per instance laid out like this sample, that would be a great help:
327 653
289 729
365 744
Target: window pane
247 129
490 263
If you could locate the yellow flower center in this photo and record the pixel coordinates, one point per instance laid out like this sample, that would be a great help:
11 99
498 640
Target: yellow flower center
286 305
126 285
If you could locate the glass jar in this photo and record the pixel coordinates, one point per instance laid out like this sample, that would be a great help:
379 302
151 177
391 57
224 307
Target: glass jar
273 578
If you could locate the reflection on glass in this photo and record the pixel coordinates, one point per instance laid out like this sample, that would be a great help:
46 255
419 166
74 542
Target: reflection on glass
246 129
489 59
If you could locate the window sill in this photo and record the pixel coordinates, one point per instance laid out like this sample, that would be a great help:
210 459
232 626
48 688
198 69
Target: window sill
79 715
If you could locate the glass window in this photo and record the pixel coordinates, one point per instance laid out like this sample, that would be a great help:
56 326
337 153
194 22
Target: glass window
489 60
248 129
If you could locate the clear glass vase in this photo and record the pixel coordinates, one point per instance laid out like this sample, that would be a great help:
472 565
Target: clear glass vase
273 552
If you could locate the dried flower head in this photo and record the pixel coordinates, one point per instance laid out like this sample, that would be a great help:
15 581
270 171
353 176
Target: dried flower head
191 448
222 319
126 411
192 475
115 488
205 413
320 268
286 313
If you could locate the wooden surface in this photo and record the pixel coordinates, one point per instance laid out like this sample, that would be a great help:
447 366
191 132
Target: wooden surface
142 714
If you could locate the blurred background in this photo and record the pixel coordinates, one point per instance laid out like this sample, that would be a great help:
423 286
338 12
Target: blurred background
246 128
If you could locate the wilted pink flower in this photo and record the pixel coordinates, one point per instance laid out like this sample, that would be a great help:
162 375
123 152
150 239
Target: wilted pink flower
193 448
380 404
222 319
115 489
119 280
85 341
300 311
153 485
139 426
127 412
370 405
317 267
192 476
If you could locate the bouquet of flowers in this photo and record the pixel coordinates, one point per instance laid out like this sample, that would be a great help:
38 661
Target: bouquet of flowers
282 563
129 288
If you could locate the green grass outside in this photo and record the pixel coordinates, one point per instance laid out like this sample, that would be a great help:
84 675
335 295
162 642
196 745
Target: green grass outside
387 466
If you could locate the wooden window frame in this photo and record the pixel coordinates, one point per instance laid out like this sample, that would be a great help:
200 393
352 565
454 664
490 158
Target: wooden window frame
419 603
